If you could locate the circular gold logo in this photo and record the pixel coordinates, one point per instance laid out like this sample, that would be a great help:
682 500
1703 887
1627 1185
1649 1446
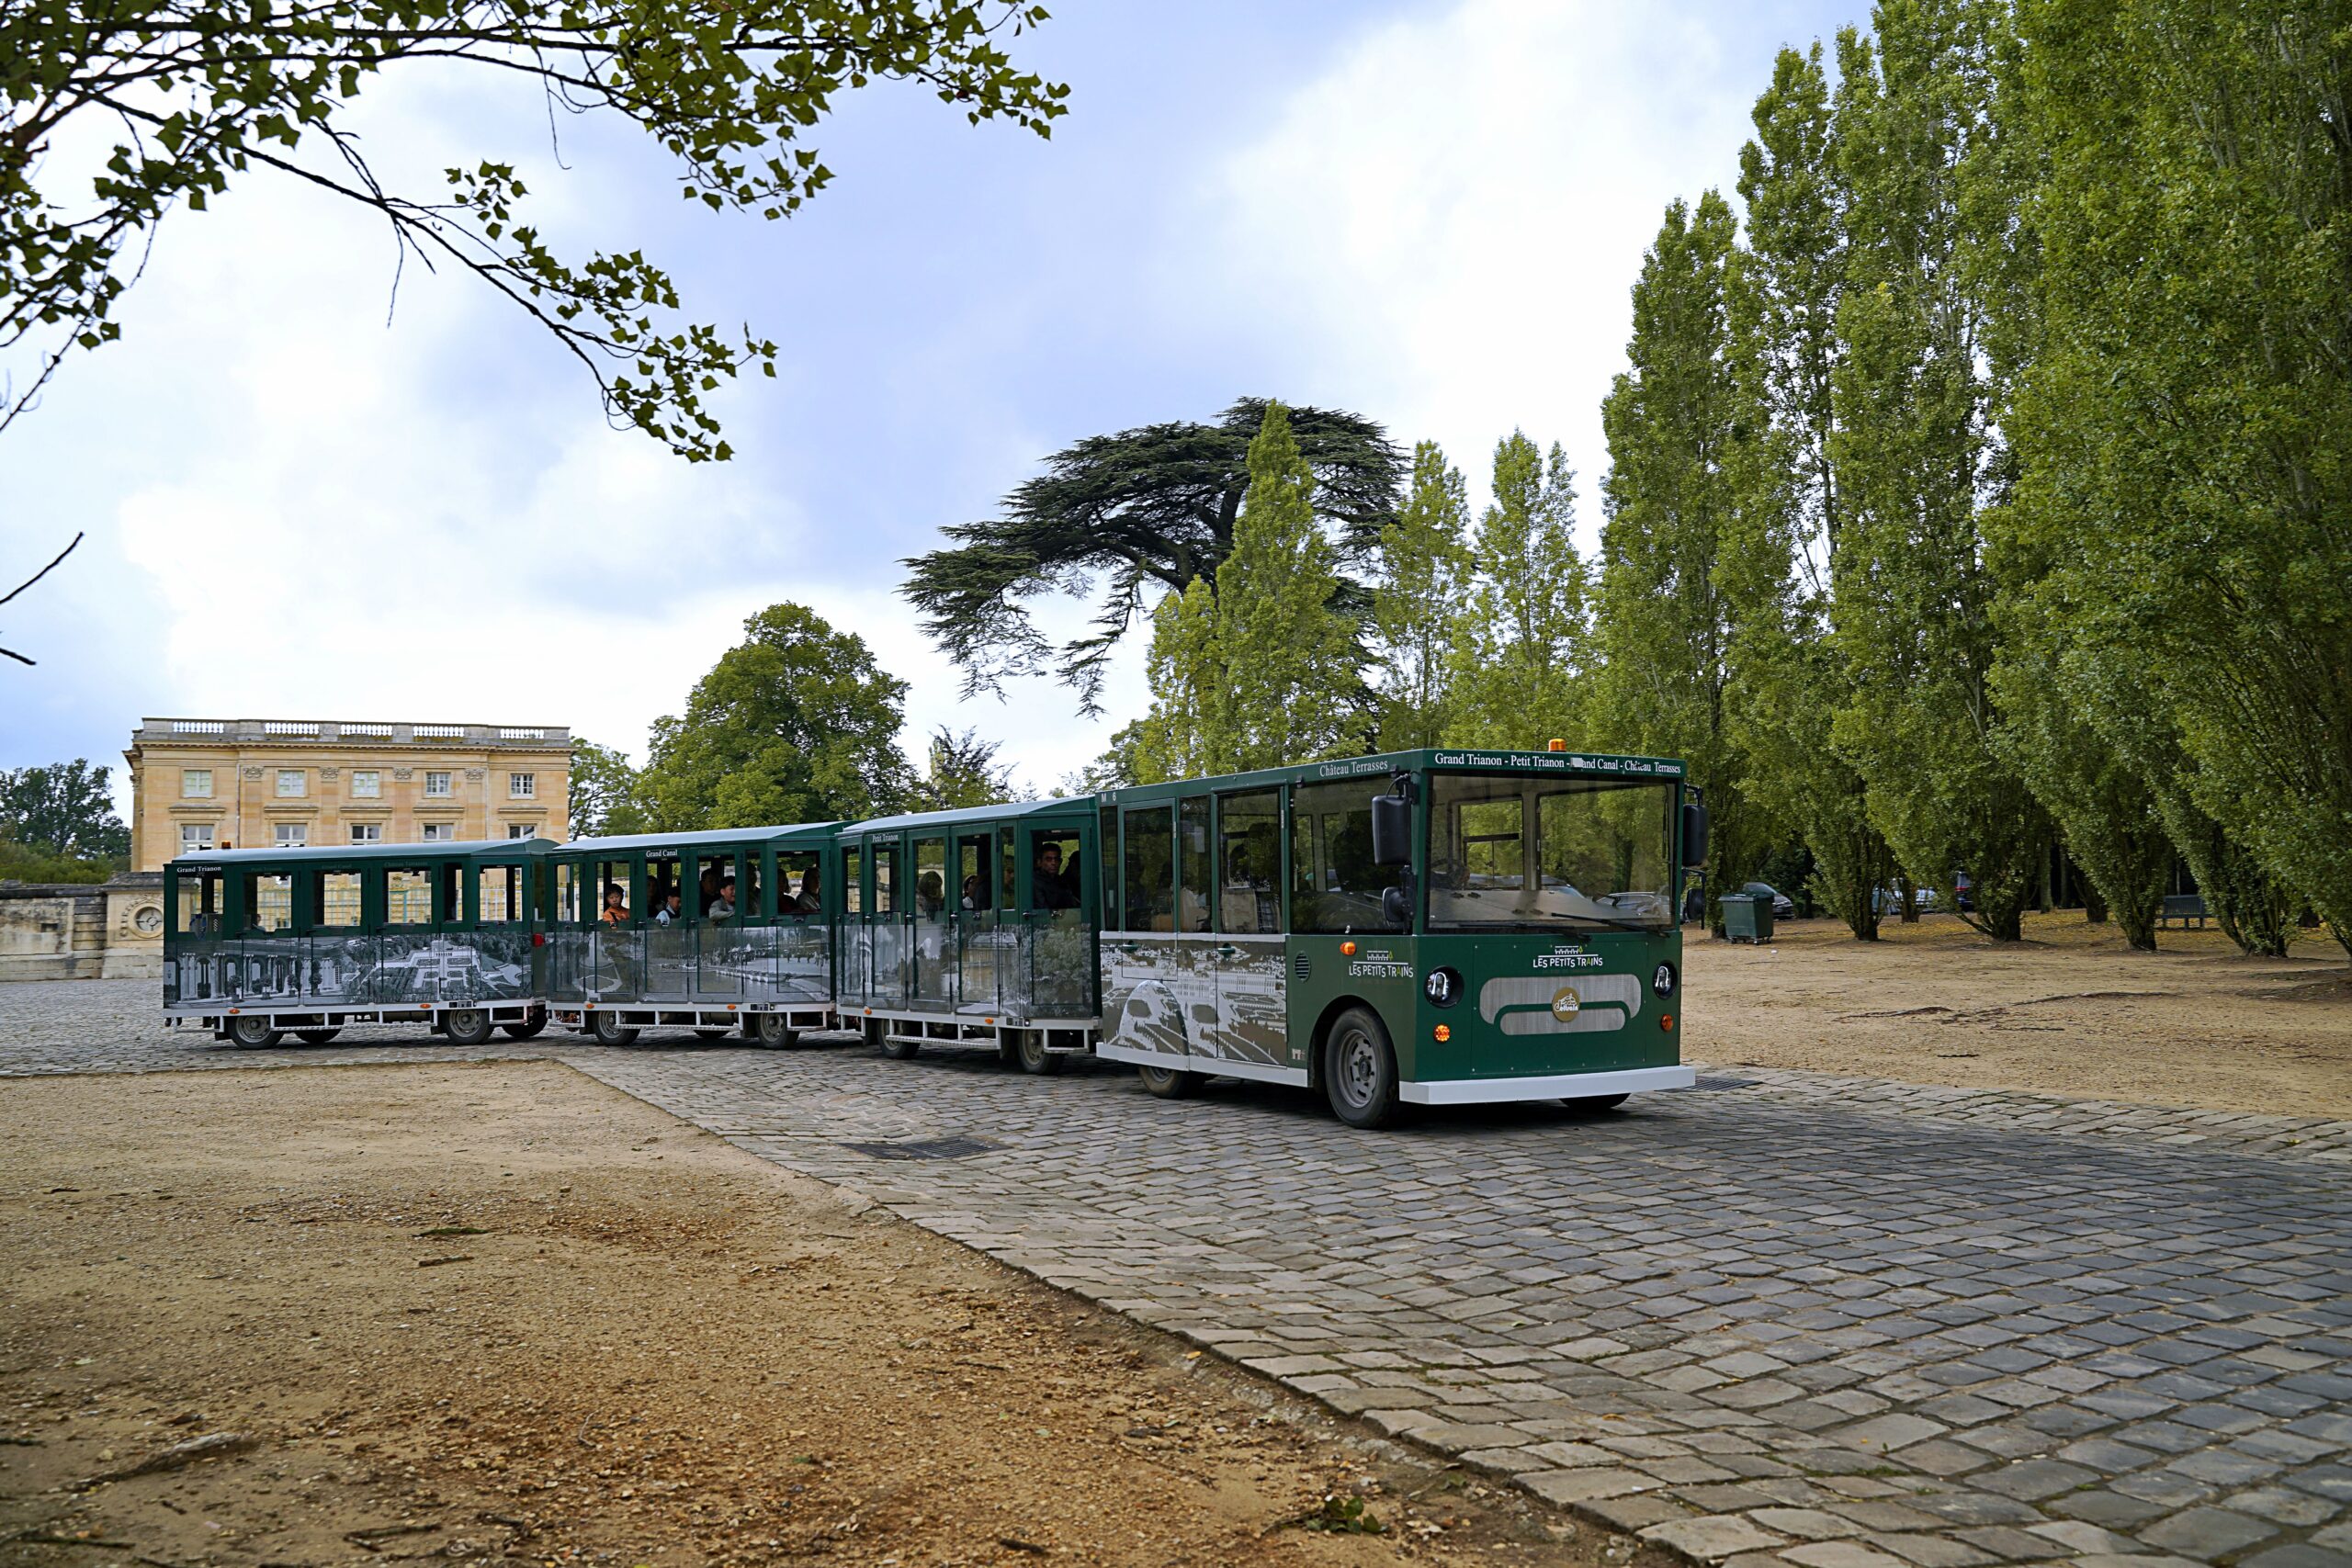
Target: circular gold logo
1565 1002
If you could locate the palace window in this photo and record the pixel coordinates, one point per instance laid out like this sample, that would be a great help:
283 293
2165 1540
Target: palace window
522 786
367 833
196 783
290 835
366 783
436 784
522 829
440 832
293 782
195 836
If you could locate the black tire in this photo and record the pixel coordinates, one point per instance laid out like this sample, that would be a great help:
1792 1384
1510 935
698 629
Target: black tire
877 1035
250 1031
528 1027
770 1030
317 1036
1035 1057
712 1033
607 1028
1170 1083
468 1026
1360 1069
1595 1102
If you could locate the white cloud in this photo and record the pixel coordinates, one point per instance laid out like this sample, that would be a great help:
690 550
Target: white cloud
1451 217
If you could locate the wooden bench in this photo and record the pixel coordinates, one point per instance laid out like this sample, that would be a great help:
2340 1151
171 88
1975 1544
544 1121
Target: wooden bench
2182 909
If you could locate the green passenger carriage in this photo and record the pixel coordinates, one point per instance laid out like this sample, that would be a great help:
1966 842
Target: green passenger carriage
712 930
260 941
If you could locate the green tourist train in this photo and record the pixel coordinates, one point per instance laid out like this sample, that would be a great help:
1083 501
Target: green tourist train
1436 928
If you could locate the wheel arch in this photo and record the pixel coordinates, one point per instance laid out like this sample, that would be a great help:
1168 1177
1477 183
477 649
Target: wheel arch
1321 1033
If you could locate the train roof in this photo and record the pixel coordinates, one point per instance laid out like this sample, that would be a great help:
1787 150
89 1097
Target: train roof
1001 811
700 836
467 849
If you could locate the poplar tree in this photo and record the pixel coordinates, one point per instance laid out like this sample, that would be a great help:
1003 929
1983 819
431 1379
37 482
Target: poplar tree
1780 551
1287 685
1662 625
1518 658
1417 603
1915 455
1178 738
2186 426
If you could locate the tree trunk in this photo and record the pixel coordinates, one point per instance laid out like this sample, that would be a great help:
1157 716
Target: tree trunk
2094 905
1902 883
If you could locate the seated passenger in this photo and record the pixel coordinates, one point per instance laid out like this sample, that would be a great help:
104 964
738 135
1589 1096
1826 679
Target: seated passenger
673 911
931 894
1047 888
811 898
723 907
710 888
973 892
616 905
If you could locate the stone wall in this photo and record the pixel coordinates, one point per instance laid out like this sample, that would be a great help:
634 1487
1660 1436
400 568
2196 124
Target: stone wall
86 930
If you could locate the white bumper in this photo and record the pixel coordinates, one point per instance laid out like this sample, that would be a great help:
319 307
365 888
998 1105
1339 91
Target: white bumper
1564 1086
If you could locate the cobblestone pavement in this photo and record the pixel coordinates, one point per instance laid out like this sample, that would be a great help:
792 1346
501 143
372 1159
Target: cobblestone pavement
1786 1318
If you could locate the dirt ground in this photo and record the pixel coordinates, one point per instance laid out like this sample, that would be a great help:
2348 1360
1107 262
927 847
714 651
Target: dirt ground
2069 1010
503 1311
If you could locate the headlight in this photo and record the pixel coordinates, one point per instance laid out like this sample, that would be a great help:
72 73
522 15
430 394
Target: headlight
1663 981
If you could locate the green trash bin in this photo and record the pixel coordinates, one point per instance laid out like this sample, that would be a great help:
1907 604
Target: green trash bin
1747 917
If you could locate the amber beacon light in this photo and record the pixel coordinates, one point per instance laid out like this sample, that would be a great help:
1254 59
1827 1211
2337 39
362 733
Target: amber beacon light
1556 745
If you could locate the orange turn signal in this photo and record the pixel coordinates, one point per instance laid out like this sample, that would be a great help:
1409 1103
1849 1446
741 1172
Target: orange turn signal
1665 1021
1347 950
1443 1033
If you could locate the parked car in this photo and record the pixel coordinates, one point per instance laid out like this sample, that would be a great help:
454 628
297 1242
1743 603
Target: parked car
1885 901
1783 906
1963 893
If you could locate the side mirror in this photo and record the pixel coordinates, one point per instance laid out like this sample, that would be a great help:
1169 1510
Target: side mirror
1396 906
1392 829
1694 833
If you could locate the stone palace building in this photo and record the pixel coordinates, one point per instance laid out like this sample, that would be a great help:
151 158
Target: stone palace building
252 782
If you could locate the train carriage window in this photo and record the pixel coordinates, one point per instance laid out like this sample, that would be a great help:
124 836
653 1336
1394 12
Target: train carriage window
1107 855
1053 881
799 884
453 894
1150 869
931 878
567 894
852 881
408 896
974 880
710 897
500 894
1011 883
335 896
616 888
886 878
269 901
1249 855
200 903
1193 892
662 878
1335 887
746 886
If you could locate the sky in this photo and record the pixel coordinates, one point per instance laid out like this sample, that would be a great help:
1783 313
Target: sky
310 495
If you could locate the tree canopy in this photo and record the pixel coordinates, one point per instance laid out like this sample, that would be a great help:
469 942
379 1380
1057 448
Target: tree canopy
195 93
797 722
65 808
605 798
1115 516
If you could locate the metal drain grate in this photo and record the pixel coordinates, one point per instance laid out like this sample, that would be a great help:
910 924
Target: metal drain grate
1712 1080
925 1148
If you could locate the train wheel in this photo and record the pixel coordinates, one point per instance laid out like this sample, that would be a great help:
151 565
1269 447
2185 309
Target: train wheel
1595 1102
252 1032
466 1026
608 1029
317 1036
768 1028
1360 1070
1170 1083
877 1035
1035 1057
528 1027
